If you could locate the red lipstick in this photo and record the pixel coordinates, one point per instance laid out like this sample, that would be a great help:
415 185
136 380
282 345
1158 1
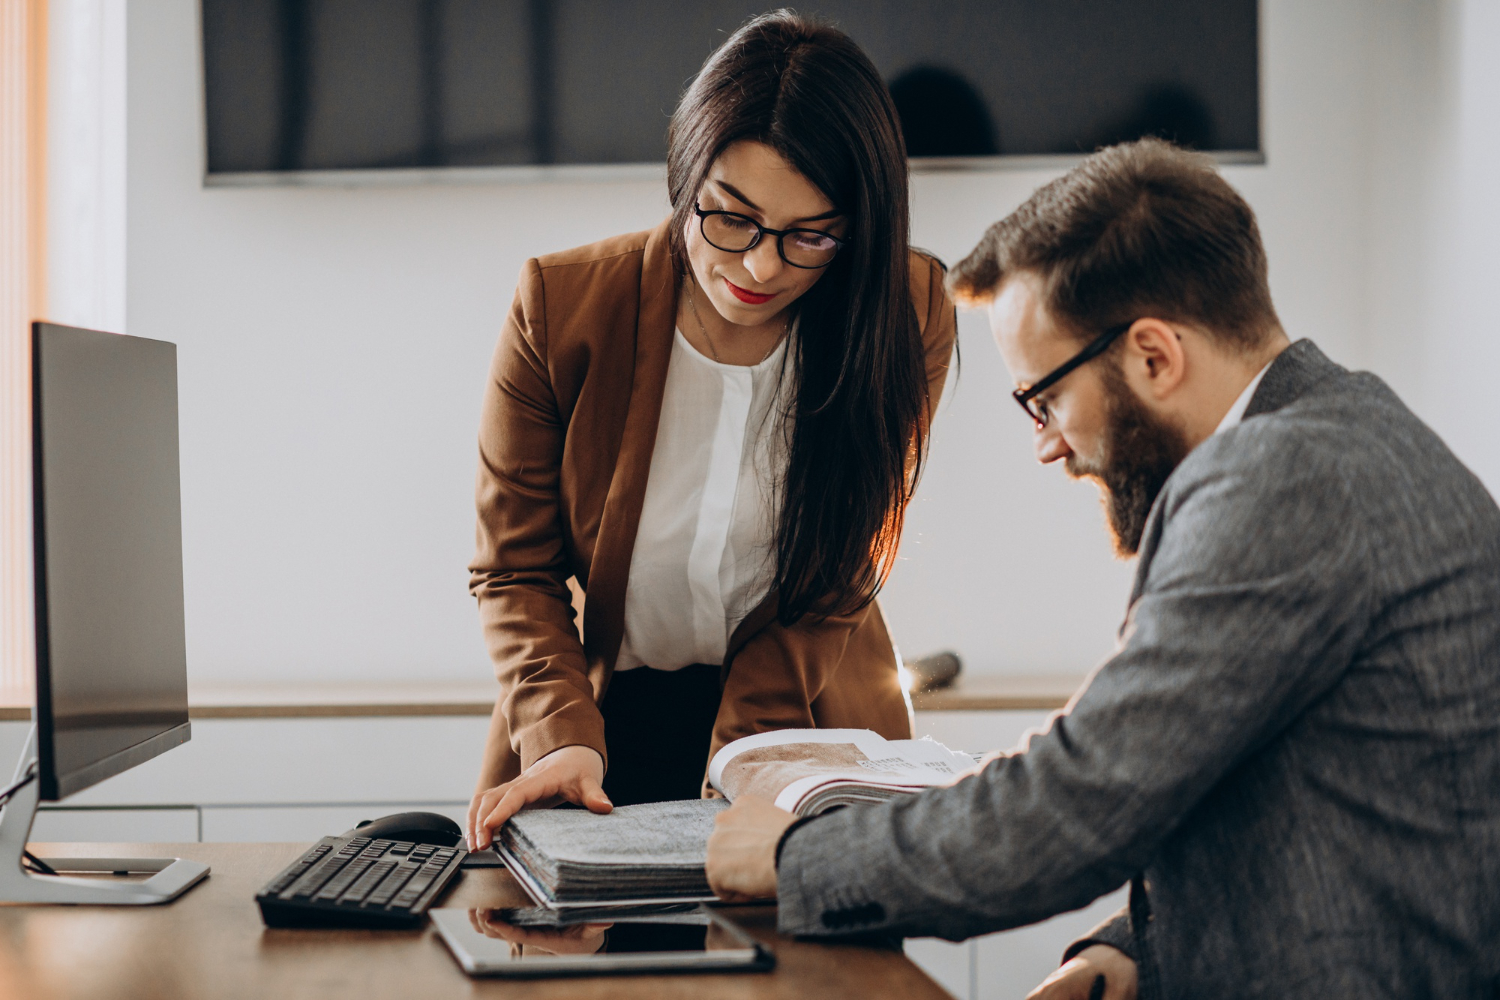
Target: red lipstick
746 296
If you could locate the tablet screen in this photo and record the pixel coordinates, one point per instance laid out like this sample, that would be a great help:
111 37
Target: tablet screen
549 942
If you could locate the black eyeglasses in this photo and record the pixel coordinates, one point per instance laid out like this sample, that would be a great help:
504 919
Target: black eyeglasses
1035 408
735 233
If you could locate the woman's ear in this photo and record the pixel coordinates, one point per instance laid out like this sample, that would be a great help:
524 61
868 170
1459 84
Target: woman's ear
1154 358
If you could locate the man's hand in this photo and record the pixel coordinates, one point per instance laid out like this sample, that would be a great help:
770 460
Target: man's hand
742 849
570 774
1076 979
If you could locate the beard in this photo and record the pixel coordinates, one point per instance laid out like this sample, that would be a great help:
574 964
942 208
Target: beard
1139 452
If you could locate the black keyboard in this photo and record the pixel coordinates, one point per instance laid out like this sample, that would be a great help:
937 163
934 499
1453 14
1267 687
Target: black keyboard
359 882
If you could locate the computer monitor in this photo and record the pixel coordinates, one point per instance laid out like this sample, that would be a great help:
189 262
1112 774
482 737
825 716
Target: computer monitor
111 658
111 661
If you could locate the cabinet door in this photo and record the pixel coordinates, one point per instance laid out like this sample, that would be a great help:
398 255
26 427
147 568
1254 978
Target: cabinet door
951 965
312 761
978 732
307 824
170 825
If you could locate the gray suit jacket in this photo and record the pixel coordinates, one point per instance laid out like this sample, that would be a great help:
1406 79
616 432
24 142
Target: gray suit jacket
1294 756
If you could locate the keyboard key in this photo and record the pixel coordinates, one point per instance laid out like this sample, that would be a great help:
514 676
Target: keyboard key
388 888
336 886
297 870
414 888
319 876
369 880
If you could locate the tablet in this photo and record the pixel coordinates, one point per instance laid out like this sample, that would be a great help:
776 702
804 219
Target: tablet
612 940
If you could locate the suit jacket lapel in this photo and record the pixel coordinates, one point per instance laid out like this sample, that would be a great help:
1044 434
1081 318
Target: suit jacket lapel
763 614
604 610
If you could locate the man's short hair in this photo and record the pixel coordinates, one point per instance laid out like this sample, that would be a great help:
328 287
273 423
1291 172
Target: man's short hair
1139 229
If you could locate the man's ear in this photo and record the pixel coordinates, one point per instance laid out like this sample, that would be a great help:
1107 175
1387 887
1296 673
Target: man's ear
1155 362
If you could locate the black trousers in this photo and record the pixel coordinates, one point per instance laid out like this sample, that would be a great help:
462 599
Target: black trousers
657 727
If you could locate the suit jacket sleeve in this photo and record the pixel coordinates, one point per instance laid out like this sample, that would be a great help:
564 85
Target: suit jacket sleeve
1115 932
1251 607
776 676
520 571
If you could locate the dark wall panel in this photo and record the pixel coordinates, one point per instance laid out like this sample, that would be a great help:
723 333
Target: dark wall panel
351 84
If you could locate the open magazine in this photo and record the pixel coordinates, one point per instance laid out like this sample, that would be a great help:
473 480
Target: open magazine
808 771
654 853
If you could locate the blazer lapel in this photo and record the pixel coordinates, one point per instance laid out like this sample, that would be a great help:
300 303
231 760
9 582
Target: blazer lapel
604 609
763 614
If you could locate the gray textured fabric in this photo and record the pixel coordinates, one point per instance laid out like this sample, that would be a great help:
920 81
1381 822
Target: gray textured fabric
1294 756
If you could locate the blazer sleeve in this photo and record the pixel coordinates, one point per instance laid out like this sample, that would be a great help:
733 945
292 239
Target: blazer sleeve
520 569
1115 932
777 675
1242 623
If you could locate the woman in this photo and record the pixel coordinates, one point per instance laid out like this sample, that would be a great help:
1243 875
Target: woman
713 428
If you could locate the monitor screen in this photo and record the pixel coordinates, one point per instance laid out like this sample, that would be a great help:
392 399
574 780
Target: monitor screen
111 656
304 85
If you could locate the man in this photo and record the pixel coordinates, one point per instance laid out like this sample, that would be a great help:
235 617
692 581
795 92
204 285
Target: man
1294 755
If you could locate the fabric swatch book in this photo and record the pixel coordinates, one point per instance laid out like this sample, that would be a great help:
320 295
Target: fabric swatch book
655 853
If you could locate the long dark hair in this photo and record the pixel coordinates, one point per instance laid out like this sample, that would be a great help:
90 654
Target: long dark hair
859 414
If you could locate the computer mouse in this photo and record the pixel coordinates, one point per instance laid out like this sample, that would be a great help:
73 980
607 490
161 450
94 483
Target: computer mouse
415 827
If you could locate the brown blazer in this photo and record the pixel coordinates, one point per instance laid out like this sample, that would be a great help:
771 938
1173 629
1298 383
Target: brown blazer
565 442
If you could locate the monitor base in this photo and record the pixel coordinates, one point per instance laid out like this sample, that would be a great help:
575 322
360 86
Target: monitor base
170 877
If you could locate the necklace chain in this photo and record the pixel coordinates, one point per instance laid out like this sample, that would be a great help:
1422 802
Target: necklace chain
693 305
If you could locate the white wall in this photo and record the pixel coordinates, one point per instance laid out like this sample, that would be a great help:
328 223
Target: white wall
333 344
1457 334
86 186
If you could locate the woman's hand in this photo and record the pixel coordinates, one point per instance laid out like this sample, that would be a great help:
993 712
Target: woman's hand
569 774
1098 972
576 939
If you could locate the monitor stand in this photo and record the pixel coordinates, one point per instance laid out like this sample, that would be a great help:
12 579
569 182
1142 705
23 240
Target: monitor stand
171 876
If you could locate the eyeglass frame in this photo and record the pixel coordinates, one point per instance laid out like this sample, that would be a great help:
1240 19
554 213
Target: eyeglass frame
1096 347
762 232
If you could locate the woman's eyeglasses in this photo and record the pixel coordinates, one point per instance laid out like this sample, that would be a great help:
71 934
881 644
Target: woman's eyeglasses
1035 408
735 233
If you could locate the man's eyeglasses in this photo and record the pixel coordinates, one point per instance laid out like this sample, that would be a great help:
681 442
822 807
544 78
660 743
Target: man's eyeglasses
735 233
1035 408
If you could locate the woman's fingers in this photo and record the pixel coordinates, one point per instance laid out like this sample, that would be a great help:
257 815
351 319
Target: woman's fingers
591 796
484 804
469 821
521 793
572 773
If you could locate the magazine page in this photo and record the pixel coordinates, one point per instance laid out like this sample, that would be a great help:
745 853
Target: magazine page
787 766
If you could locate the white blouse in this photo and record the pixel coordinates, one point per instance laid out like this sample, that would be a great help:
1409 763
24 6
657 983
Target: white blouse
702 559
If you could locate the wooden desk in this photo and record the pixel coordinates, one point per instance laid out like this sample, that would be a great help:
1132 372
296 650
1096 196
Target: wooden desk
211 944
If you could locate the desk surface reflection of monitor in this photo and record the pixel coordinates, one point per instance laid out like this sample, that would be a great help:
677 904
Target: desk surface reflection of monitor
111 662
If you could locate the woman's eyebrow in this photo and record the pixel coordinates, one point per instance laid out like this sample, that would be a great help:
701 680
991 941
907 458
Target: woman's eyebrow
735 193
